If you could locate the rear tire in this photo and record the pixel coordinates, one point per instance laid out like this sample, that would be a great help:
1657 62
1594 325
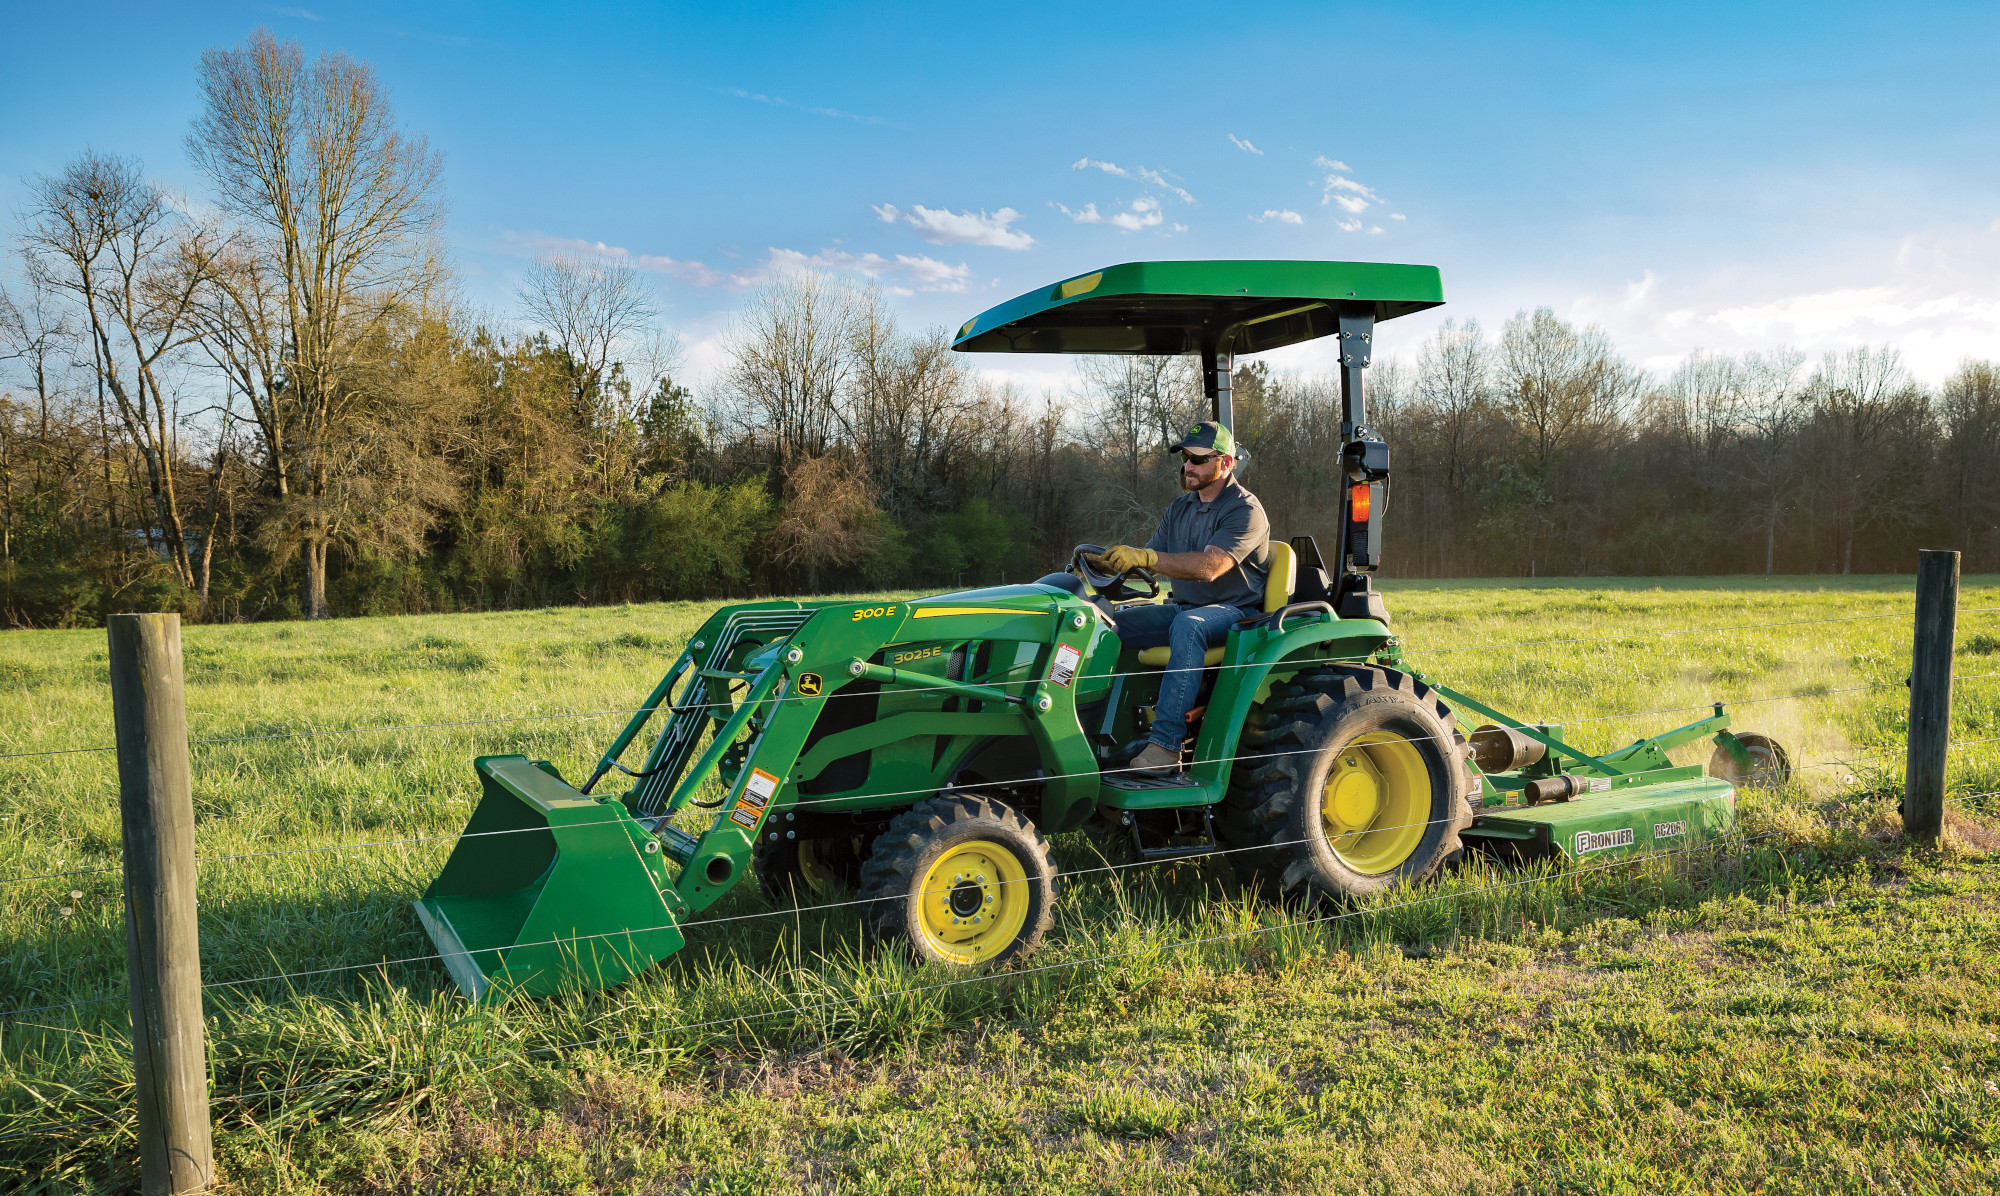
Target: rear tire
1353 779
960 879
792 871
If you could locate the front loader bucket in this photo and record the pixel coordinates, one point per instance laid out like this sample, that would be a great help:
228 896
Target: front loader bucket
547 889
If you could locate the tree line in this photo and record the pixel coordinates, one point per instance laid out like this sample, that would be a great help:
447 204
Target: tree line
267 401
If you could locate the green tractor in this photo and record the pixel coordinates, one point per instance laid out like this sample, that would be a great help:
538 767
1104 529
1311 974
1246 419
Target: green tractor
922 752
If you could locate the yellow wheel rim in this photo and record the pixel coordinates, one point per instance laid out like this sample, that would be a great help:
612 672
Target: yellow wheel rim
1376 802
974 901
819 877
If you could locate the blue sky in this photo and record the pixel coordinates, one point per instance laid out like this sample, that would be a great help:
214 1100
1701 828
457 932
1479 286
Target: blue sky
1722 176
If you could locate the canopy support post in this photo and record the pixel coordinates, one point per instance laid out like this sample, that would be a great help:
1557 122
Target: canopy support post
1218 363
1357 331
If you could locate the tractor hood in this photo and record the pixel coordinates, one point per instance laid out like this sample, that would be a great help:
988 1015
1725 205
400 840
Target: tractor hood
1185 307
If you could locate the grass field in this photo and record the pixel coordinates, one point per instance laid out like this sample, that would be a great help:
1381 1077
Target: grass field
1814 1011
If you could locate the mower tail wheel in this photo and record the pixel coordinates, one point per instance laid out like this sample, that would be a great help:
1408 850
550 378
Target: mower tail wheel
1353 779
794 870
1771 765
960 879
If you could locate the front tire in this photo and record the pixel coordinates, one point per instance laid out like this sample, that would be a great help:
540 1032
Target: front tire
1353 780
962 880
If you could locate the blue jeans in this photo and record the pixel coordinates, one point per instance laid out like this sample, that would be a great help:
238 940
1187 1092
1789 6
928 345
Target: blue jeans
1188 632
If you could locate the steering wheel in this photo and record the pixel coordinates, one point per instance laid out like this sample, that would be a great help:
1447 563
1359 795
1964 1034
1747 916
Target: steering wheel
1113 587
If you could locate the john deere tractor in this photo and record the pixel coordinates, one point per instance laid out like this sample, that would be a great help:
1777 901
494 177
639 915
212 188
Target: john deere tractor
918 754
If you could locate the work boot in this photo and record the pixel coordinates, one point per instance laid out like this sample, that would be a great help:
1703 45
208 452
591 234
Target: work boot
1157 760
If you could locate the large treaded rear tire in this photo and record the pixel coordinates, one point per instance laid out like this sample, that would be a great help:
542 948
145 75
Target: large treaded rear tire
1272 816
984 859
795 871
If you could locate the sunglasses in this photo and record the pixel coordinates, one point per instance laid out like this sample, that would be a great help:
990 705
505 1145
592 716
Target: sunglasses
1198 458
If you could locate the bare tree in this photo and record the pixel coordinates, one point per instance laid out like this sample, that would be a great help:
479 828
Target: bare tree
905 410
1856 396
791 362
112 243
589 307
339 206
1137 405
1970 410
1560 385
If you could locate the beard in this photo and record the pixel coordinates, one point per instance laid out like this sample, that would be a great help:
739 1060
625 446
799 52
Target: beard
1190 482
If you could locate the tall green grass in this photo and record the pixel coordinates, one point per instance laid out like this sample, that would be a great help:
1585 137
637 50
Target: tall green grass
328 1043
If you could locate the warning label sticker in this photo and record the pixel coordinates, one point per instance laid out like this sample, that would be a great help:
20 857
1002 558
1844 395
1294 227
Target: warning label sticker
757 793
1588 841
1062 669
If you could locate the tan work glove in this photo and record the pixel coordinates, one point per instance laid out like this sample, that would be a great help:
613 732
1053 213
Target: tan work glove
1124 557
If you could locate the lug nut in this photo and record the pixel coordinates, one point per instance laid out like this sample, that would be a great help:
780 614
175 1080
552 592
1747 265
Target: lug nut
791 834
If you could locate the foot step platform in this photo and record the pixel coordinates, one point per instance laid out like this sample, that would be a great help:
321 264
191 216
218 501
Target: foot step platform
1135 781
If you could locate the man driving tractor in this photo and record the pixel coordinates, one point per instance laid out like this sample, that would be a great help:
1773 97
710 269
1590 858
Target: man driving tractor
1214 543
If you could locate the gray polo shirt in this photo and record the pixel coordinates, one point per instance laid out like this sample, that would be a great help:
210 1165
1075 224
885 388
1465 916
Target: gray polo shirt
1236 524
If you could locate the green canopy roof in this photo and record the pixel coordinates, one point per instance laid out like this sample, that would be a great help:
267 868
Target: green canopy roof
1185 307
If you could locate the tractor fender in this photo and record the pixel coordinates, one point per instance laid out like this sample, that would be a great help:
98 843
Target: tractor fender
1251 659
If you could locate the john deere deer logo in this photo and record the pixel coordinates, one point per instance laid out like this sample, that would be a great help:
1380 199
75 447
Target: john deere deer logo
809 685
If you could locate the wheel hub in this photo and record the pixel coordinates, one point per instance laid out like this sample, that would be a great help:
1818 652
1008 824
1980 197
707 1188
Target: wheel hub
967 898
1357 797
1376 803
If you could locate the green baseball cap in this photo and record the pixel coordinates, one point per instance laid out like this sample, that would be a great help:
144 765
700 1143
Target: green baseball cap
1206 437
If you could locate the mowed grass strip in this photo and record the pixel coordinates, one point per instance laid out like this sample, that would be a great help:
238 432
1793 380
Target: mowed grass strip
1398 1049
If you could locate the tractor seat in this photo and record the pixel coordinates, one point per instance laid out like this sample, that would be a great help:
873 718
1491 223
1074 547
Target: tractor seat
1277 592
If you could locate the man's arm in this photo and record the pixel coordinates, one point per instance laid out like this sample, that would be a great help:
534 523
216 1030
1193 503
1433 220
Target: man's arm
1206 565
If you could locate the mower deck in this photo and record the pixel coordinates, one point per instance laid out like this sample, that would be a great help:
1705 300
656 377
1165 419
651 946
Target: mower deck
1669 816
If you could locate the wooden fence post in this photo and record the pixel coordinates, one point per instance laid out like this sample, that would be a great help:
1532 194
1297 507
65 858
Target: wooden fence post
156 808
1930 694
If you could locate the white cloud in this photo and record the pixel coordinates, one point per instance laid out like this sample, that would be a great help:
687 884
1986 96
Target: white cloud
902 275
1397 216
1933 294
1348 226
1375 231
1137 174
538 245
941 226
1144 213
1243 145
782 102
1336 187
1281 215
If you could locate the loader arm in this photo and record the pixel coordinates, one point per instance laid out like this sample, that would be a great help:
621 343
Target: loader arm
552 887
